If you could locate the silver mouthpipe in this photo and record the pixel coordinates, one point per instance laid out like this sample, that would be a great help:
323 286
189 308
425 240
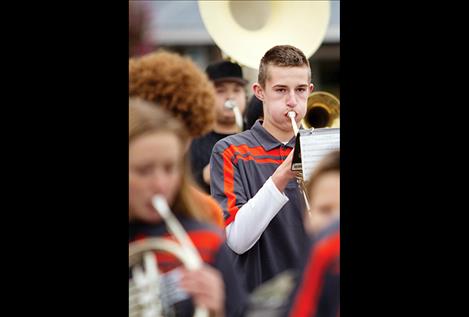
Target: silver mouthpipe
232 105
292 115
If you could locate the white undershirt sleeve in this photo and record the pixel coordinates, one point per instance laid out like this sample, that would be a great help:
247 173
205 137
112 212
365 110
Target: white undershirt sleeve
254 216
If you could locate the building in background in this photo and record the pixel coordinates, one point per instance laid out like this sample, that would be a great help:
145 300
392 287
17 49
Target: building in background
178 26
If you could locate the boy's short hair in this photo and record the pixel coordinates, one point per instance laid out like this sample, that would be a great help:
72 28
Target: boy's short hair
283 56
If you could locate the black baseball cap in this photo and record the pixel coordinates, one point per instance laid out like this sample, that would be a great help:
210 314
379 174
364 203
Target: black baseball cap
225 71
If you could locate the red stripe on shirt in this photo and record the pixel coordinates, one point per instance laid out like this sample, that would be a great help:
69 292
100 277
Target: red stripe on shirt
306 300
207 244
228 170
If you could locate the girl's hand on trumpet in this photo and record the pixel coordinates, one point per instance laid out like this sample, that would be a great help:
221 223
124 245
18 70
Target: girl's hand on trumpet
206 287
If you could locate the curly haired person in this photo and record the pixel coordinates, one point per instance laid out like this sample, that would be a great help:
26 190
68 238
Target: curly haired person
176 84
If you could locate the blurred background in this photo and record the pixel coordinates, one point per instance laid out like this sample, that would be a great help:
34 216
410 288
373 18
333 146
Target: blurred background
177 26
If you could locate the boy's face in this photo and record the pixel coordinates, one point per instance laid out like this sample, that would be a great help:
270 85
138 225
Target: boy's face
225 91
286 89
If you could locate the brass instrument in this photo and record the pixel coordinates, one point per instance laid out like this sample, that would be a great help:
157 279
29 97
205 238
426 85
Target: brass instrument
144 287
322 110
299 178
245 30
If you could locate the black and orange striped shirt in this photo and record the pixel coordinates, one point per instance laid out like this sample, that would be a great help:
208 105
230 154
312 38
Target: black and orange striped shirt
240 165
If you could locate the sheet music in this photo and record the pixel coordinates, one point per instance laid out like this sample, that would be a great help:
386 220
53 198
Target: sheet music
315 145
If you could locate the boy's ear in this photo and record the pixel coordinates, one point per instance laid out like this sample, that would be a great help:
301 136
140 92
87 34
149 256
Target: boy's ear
258 91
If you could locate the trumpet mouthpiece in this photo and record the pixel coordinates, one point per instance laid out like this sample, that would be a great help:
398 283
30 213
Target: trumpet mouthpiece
292 115
159 203
230 104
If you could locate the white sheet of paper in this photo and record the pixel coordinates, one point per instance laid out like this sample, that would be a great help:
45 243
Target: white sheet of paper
315 145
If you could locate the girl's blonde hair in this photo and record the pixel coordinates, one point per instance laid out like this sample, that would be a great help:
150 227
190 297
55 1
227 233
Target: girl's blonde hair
146 118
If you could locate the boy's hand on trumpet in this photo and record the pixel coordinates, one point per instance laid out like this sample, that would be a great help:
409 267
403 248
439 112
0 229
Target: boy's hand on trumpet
283 174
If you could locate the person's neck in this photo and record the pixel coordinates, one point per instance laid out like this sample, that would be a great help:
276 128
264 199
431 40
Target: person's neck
280 135
225 128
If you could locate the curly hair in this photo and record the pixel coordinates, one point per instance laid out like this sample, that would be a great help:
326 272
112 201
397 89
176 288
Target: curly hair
178 85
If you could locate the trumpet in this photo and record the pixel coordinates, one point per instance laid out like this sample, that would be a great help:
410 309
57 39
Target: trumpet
299 177
322 110
145 296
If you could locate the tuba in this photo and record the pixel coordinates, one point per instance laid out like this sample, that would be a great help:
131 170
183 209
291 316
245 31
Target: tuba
245 30
145 291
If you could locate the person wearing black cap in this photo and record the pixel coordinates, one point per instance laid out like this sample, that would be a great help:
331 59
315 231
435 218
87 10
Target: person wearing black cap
230 89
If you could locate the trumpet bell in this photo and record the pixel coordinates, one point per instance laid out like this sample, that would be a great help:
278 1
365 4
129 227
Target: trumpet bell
322 111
